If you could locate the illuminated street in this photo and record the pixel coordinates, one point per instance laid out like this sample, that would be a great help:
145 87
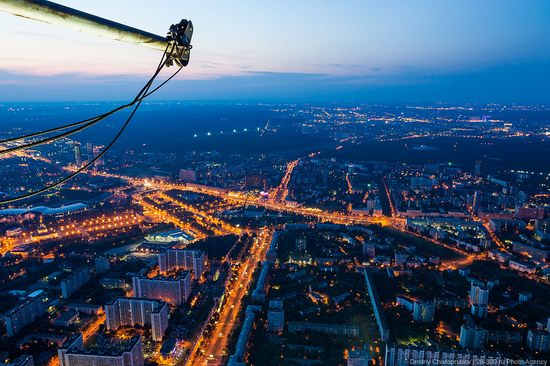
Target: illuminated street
264 192
213 346
280 193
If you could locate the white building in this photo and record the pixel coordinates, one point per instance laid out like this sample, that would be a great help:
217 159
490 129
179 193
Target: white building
172 236
521 266
358 358
538 340
173 290
472 337
102 265
119 353
132 311
182 259
275 317
479 311
24 314
410 355
424 311
74 282
24 360
479 294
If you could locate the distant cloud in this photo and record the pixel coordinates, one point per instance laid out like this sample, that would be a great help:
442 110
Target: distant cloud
525 83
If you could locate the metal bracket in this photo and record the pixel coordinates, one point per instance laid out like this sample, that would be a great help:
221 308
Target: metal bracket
179 37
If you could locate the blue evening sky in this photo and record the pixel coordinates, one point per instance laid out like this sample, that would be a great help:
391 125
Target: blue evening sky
295 50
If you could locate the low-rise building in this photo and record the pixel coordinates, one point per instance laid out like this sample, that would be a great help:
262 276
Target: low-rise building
85 308
522 266
338 329
237 358
259 292
172 236
538 252
66 319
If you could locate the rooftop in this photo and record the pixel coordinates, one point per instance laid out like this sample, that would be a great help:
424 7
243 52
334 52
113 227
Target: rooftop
44 210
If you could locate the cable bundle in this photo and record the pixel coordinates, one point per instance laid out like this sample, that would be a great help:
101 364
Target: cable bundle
81 125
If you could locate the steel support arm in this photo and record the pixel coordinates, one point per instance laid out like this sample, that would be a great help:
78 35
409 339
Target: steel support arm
52 13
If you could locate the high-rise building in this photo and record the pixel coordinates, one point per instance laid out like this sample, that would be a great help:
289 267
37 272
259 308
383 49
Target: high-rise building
23 360
479 311
542 230
359 357
479 299
77 154
472 337
255 181
182 259
300 244
477 169
74 282
424 311
275 317
188 175
102 265
116 353
198 264
476 202
24 314
525 296
369 249
400 259
538 340
132 311
479 294
410 355
96 152
89 151
173 290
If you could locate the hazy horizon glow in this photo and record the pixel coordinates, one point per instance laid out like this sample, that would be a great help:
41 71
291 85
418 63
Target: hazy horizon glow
353 46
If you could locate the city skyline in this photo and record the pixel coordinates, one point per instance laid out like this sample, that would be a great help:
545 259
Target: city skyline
352 183
364 233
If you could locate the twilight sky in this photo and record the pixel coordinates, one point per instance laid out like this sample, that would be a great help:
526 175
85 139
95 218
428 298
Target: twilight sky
371 51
